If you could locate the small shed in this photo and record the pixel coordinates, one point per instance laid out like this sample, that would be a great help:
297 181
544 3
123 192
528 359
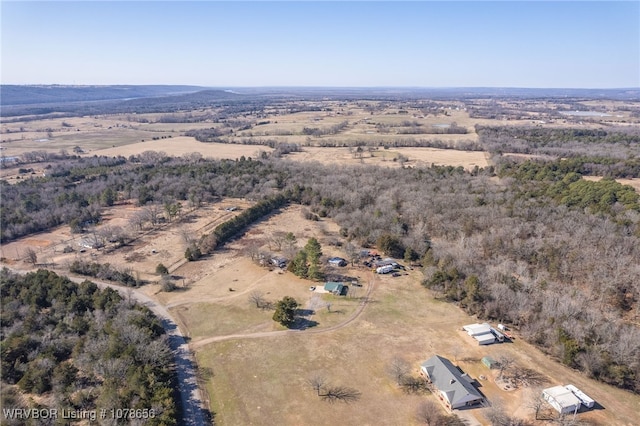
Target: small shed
335 288
490 362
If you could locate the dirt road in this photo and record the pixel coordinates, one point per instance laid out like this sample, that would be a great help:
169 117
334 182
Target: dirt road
192 404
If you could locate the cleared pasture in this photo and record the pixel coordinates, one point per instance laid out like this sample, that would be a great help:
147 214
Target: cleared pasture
635 183
185 145
262 378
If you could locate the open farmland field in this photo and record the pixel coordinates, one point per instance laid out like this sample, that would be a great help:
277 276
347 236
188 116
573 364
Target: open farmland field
329 123
185 145
483 247
329 155
395 157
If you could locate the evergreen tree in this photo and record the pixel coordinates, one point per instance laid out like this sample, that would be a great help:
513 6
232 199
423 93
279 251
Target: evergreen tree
313 250
285 311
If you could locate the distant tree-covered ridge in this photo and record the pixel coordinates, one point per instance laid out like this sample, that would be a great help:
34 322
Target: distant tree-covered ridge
82 348
42 94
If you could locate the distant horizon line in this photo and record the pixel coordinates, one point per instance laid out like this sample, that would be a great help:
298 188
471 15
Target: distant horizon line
315 86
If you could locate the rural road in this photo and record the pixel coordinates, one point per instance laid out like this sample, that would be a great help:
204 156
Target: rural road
193 412
191 398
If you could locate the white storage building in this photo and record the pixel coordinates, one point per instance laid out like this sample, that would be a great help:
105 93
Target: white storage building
481 332
562 399
477 329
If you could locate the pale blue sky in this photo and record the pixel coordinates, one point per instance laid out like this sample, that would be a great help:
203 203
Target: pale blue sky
546 44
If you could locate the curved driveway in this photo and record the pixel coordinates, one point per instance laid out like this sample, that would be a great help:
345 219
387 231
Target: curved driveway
258 335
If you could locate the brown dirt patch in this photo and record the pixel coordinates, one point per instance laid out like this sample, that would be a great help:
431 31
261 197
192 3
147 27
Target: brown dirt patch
635 183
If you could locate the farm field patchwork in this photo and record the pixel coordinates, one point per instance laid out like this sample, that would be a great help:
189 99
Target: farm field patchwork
252 368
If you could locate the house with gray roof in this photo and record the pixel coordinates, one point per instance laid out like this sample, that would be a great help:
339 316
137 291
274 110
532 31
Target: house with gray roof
455 388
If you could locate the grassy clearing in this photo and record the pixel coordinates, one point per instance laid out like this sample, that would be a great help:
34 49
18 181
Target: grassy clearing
209 319
356 356
402 320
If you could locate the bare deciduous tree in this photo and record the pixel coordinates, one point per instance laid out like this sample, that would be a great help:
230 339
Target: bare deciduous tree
399 368
152 213
30 256
498 417
429 413
340 393
257 297
504 364
317 382
413 384
186 235
536 401
137 220
277 240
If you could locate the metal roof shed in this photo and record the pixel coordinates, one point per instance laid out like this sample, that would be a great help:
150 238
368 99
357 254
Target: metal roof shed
490 362
485 339
475 329
334 287
562 399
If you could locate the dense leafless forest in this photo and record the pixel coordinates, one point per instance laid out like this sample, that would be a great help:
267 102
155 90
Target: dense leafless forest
548 252
87 347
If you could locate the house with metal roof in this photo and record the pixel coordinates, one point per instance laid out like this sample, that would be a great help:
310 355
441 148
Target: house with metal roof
336 288
455 388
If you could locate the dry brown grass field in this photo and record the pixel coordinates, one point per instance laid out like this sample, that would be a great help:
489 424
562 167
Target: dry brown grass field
255 373
635 183
259 374
377 122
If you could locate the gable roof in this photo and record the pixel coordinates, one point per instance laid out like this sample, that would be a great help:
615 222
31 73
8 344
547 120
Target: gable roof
334 287
454 385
